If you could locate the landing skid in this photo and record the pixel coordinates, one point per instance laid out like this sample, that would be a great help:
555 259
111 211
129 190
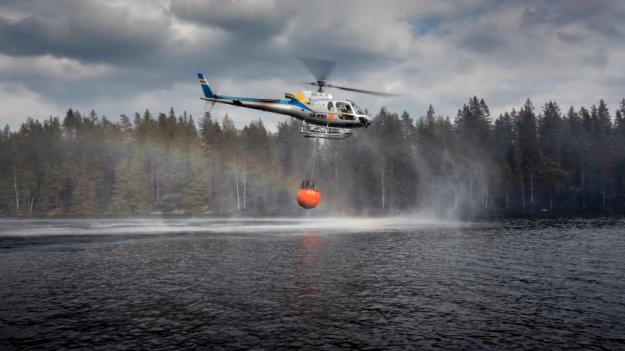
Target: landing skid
315 131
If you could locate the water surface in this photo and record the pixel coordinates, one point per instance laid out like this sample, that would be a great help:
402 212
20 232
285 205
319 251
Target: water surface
313 284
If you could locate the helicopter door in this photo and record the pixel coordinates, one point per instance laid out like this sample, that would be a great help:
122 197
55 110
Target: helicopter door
331 106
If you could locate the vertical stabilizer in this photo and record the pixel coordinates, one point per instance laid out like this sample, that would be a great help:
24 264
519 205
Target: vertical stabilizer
208 93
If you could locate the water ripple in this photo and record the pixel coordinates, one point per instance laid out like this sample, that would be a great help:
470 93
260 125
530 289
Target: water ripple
520 284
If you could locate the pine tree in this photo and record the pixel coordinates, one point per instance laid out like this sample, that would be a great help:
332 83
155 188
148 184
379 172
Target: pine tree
504 153
125 123
550 140
527 153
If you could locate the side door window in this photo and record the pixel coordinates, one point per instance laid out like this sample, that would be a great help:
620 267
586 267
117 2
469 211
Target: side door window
345 110
343 107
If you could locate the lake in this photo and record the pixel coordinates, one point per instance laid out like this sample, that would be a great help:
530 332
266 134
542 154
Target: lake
319 284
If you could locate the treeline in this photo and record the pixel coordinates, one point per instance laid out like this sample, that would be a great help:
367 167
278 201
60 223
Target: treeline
524 160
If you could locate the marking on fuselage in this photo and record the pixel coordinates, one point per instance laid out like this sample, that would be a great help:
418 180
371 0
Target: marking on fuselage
300 97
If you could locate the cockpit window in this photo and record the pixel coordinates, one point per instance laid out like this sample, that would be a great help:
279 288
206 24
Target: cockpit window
359 110
344 107
330 106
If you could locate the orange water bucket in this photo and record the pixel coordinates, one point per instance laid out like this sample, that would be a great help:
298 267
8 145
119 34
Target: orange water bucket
308 198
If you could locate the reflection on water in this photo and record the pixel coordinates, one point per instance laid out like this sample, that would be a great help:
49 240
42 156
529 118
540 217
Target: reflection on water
380 284
310 247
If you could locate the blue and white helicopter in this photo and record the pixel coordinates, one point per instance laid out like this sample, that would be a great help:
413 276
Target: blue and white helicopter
321 114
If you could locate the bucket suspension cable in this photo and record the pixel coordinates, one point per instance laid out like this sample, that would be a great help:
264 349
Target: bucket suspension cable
308 195
312 169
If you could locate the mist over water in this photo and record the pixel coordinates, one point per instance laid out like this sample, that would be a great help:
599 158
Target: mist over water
260 226
458 189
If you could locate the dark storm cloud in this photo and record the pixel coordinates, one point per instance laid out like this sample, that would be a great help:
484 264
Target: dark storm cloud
254 20
84 31
268 36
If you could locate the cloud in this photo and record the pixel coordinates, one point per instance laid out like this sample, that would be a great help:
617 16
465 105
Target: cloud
598 16
117 56
84 30
255 18
14 98
50 67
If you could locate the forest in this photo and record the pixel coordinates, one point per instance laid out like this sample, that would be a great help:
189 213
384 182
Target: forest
527 160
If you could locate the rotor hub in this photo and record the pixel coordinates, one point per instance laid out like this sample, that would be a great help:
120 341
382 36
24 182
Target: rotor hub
321 84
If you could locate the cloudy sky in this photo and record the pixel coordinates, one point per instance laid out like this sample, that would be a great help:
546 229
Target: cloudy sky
125 56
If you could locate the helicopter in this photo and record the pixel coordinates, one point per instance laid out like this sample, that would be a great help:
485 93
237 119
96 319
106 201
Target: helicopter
321 114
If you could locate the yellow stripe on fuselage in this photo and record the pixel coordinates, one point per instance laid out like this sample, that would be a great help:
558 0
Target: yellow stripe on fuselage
299 96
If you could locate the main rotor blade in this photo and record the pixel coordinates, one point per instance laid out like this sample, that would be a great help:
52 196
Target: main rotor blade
378 93
319 68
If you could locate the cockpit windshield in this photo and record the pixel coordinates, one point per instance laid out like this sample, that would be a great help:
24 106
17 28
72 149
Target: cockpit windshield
358 109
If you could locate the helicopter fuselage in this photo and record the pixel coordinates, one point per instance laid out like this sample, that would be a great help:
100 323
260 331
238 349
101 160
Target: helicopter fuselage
316 108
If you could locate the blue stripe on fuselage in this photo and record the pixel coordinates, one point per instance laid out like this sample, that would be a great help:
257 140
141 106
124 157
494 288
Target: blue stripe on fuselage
296 103
277 101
